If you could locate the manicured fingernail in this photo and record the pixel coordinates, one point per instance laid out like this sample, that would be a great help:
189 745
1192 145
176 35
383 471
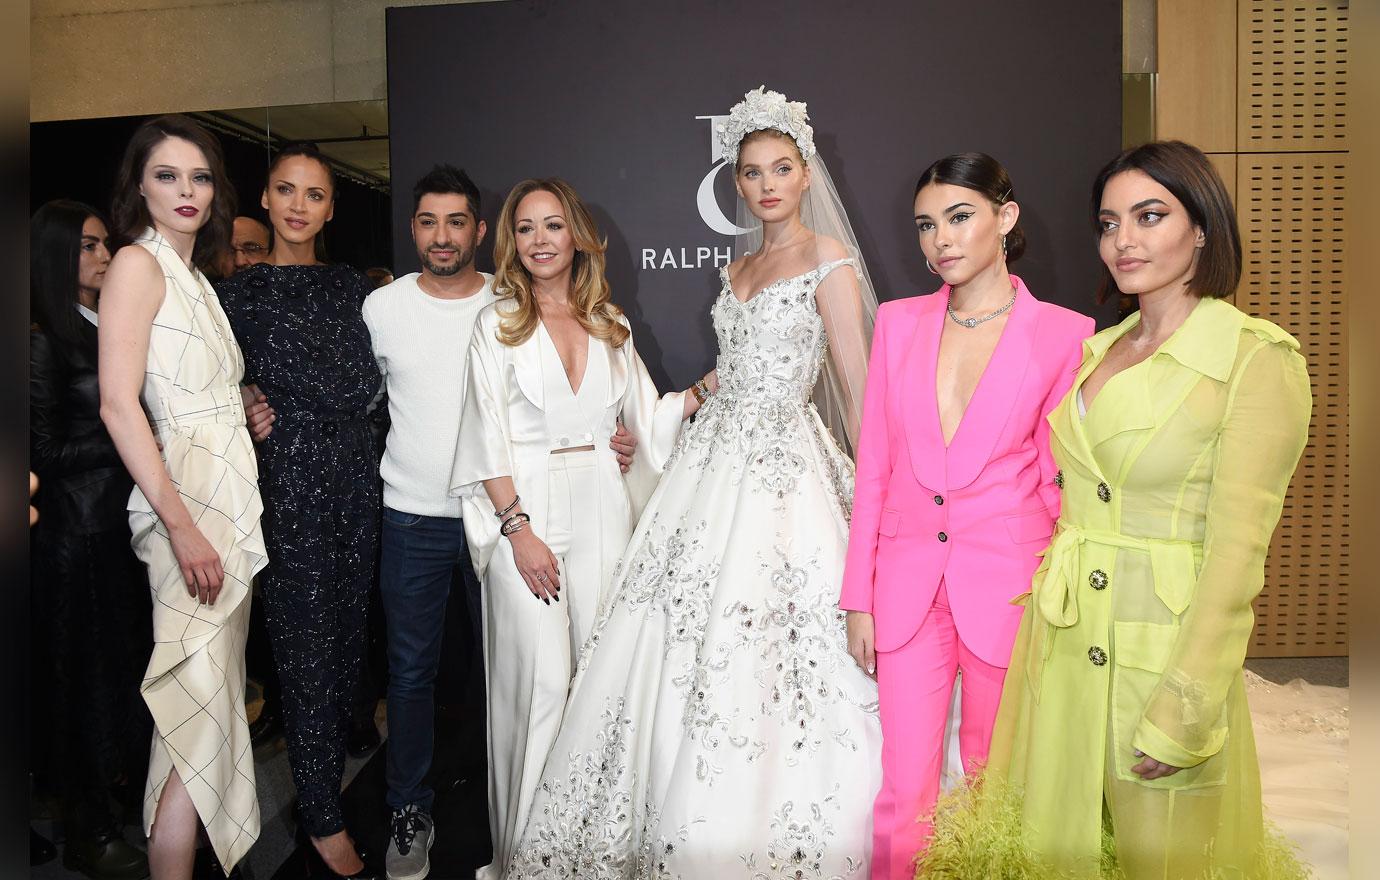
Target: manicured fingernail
547 601
557 598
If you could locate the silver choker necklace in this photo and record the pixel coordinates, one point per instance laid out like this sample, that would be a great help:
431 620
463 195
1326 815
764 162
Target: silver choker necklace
970 323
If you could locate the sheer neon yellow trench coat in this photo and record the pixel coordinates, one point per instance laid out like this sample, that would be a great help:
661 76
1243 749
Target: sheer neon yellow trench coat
1137 625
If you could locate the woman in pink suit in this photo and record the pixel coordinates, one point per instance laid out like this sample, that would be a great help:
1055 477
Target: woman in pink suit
956 491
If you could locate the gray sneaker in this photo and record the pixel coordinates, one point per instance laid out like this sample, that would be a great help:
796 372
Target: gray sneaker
409 844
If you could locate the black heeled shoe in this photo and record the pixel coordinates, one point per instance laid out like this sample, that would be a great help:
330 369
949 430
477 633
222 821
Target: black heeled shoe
316 867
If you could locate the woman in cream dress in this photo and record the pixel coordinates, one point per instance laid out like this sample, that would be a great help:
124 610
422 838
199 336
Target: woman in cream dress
195 510
547 512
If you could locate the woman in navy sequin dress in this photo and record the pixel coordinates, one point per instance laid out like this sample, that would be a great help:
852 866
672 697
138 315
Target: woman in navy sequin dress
305 344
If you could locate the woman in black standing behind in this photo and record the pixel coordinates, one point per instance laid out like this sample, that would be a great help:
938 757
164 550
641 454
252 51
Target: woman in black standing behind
90 605
305 344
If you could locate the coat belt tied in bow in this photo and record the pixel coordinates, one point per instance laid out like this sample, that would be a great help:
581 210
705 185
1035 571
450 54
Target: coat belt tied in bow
1173 564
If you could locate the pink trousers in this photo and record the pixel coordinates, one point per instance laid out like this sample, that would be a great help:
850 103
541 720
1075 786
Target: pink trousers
915 685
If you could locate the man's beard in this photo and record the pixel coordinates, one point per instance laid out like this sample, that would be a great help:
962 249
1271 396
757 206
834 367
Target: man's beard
462 259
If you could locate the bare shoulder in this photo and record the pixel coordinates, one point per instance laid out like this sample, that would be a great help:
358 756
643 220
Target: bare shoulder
133 262
133 276
830 249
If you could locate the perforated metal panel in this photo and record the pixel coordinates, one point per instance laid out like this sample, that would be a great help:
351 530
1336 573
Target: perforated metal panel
1291 207
1292 75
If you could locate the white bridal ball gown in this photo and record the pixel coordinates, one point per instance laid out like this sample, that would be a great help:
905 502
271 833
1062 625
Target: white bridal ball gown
717 726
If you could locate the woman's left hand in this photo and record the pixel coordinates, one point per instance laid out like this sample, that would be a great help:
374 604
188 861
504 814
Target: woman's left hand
624 445
1149 768
711 380
258 415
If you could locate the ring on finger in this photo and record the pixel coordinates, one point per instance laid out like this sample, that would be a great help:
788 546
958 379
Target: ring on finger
543 578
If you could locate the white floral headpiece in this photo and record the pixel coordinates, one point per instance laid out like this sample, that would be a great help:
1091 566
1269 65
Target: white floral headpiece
761 109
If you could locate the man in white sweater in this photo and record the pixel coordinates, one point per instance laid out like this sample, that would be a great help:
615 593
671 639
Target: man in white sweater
421 326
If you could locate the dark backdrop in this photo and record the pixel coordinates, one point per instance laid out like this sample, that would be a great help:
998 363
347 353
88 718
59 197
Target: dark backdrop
79 159
605 93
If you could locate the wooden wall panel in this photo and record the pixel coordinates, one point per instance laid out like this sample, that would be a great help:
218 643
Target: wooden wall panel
1225 163
1196 80
1292 76
1292 211
1281 146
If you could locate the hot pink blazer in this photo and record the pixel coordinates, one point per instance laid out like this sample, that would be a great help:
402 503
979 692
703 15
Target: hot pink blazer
976 513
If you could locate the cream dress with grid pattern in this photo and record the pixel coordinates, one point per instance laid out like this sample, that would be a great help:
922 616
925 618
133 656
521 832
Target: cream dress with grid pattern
194 684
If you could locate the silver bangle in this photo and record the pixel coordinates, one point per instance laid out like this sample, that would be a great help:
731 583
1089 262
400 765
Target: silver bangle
514 524
509 509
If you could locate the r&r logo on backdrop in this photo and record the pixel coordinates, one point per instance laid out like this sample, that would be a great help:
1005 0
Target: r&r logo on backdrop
710 212
701 256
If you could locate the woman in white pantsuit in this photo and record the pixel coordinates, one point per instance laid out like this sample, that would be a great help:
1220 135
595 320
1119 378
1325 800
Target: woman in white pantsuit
547 511
194 513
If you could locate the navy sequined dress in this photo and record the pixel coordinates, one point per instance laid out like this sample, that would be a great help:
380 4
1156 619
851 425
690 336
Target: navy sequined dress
306 346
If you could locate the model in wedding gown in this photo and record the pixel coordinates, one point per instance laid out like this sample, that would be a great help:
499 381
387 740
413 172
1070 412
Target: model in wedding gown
717 726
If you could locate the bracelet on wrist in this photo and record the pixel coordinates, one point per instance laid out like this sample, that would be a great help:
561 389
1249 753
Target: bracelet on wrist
701 391
509 509
514 524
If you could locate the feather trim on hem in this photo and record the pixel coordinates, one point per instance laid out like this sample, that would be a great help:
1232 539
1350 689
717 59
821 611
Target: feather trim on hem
978 833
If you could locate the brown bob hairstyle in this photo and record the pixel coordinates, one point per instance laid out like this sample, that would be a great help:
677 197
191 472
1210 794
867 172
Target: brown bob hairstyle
1183 170
130 215
589 289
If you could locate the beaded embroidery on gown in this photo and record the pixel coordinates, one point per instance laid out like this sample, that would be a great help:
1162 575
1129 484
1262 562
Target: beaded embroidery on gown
717 725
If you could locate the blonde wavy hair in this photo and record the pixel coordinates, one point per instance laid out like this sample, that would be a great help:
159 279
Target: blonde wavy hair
589 289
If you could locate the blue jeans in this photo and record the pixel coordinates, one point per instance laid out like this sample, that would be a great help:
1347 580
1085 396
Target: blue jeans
419 556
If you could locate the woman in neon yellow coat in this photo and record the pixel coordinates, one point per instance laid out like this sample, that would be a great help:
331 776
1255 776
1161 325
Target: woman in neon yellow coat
1124 703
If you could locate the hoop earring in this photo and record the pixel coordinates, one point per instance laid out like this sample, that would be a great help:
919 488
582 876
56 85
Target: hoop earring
928 266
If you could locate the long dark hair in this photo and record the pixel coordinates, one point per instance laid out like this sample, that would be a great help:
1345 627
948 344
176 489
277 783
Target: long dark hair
981 173
1186 172
54 267
128 209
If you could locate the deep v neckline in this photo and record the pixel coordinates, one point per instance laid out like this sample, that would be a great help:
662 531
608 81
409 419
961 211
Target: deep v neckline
574 388
977 386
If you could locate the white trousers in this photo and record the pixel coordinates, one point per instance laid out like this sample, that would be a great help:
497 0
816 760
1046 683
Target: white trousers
531 648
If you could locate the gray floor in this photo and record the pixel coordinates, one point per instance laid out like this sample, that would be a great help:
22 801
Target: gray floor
276 792
1330 671
275 843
